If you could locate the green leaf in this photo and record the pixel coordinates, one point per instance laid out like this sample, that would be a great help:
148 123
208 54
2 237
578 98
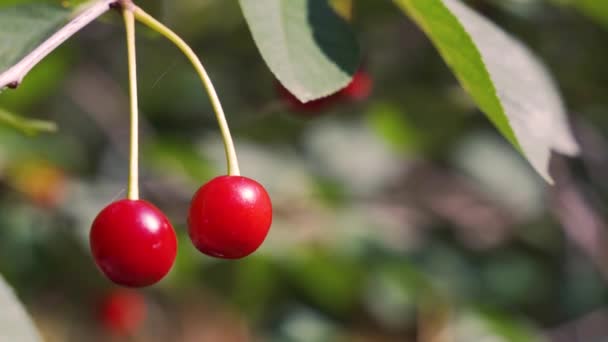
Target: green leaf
27 126
482 324
310 49
15 324
23 27
595 9
506 81
389 123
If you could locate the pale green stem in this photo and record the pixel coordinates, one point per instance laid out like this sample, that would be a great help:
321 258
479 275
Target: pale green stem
233 165
27 126
133 192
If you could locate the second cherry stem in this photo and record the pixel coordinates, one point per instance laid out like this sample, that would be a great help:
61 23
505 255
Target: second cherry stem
133 190
148 20
130 13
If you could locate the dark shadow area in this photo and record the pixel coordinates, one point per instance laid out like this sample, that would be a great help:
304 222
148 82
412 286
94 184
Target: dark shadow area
334 36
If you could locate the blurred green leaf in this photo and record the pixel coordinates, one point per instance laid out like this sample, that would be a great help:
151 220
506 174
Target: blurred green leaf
507 82
172 156
27 126
14 321
583 289
508 327
310 49
330 281
594 8
330 192
305 325
515 279
43 82
389 122
254 285
60 149
402 287
25 26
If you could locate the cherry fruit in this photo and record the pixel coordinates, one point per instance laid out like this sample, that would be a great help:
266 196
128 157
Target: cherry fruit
133 243
229 217
359 89
122 312
311 107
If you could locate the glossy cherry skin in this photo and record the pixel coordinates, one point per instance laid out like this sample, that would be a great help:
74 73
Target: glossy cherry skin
122 312
133 243
229 217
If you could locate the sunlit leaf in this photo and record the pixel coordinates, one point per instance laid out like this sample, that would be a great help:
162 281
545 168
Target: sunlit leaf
506 81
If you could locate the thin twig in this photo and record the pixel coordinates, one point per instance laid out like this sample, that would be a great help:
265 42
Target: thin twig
27 126
14 75
582 223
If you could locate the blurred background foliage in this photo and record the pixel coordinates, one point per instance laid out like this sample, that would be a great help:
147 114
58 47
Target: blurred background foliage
404 217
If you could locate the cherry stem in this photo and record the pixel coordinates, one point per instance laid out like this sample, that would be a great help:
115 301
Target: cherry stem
146 19
14 75
133 192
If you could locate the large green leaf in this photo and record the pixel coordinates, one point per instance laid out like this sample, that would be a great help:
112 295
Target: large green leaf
506 81
23 27
309 48
15 324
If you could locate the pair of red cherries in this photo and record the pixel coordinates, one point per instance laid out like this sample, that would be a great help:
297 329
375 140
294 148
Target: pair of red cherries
134 244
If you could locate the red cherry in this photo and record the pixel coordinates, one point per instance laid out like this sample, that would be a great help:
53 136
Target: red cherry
229 217
122 312
310 107
133 243
359 88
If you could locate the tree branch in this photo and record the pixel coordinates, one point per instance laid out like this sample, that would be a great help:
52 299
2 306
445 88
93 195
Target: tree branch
13 76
